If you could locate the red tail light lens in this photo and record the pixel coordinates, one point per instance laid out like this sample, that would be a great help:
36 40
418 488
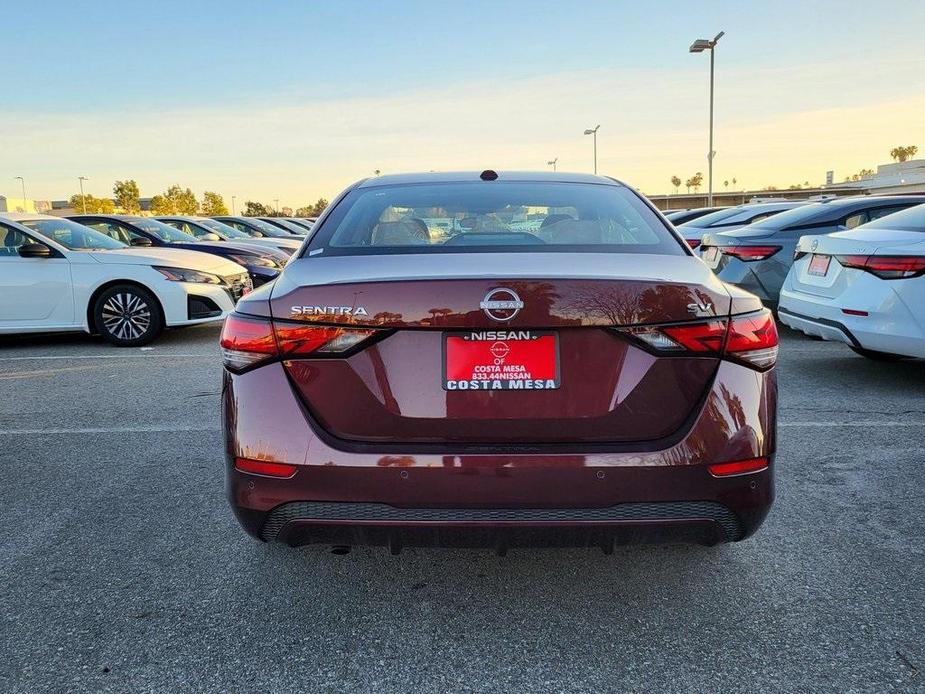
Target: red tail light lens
751 339
749 253
738 467
888 267
326 339
248 341
264 467
693 243
700 337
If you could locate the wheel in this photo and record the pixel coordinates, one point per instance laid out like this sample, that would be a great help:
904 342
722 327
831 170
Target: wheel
127 316
877 356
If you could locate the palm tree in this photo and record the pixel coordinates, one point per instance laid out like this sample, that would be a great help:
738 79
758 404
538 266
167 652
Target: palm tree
676 182
902 154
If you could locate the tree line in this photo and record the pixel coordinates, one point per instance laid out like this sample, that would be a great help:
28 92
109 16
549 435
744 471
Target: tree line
126 196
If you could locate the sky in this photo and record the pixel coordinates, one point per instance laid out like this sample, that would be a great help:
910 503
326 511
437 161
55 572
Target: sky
295 100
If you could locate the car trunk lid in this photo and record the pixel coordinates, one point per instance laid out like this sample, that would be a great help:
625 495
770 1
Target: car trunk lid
597 385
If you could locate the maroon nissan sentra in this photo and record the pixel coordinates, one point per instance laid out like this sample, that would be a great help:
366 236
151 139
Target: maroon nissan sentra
500 359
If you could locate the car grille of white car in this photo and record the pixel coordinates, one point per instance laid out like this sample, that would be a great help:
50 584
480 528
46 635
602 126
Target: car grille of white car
238 285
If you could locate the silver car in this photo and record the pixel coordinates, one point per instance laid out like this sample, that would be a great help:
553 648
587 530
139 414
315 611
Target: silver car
758 257
731 218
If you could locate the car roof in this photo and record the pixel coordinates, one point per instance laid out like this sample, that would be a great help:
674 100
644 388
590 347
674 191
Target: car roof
103 215
466 176
862 199
25 216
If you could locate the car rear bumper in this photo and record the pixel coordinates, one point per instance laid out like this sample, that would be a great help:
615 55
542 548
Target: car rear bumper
343 494
888 326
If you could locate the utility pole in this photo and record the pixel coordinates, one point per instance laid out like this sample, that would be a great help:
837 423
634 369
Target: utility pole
83 199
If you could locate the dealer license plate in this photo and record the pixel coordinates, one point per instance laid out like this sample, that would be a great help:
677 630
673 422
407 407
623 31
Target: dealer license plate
501 360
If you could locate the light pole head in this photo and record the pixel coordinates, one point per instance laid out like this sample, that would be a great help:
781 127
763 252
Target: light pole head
591 131
700 45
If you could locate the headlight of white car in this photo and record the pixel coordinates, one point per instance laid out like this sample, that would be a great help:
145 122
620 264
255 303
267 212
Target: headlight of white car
254 261
179 274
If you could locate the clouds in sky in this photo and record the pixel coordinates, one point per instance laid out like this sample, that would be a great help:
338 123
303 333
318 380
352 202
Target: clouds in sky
773 126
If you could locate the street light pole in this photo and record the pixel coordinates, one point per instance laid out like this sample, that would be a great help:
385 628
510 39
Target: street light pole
699 46
276 200
593 133
23 182
233 198
552 163
83 200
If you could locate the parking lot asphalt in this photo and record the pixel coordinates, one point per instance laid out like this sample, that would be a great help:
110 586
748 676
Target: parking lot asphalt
123 570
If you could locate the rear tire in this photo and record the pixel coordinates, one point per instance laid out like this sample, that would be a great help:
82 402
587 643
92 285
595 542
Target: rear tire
127 315
877 356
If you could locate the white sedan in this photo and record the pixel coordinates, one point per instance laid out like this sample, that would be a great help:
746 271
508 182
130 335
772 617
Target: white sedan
60 276
864 287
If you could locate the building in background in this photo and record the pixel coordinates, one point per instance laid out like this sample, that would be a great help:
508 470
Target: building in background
904 177
24 205
62 208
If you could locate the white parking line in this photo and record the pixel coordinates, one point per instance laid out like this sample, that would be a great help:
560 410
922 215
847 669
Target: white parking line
851 424
114 356
157 429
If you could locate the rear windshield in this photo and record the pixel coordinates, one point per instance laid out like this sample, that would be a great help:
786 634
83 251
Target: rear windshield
493 217
806 214
910 219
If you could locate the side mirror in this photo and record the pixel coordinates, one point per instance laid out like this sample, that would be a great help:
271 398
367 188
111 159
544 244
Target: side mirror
34 250
141 241
210 237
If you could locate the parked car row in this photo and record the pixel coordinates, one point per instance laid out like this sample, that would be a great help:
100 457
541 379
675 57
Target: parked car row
128 277
847 269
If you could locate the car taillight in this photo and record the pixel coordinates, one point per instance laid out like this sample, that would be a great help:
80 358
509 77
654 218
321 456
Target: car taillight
250 341
749 253
753 339
693 243
888 267
750 339
246 341
323 339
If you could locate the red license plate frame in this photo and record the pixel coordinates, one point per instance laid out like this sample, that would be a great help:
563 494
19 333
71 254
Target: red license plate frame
819 265
514 360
